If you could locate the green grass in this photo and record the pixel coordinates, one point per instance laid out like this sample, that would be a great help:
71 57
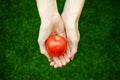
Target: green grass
98 56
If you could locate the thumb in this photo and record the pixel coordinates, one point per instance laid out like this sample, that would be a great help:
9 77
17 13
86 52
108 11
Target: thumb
74 47
44 52
60 29
43 37
62 34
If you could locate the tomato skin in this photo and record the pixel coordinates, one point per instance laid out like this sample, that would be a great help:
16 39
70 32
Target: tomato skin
56 45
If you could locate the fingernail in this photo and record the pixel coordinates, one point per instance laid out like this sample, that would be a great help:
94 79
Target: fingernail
72 57
68 60
51 63
55 66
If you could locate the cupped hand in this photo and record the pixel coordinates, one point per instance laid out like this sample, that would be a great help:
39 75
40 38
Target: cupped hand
72 32
53 26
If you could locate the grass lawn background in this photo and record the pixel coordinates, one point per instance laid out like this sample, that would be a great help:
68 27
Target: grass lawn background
98 56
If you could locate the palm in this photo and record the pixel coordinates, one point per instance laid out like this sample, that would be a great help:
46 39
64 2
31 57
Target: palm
53 27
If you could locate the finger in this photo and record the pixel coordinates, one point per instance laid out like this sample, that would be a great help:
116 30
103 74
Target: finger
66 57
43 37
63 61
62 34
74 50
55 66
44 52
72 57
68 52
60 29
57 61
52 63
42 32
49 60
48 57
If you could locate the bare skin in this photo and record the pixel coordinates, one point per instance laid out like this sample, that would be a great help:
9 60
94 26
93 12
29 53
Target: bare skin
64 25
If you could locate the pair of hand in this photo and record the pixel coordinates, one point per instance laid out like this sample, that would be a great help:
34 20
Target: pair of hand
54 24
59 25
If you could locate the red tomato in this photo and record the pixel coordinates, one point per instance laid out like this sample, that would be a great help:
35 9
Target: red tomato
56 45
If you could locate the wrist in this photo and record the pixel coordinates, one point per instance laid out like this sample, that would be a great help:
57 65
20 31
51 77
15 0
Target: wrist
47 8
70 18
72 10
49 16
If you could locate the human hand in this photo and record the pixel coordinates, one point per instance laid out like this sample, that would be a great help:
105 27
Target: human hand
53 26
73 35
70 16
